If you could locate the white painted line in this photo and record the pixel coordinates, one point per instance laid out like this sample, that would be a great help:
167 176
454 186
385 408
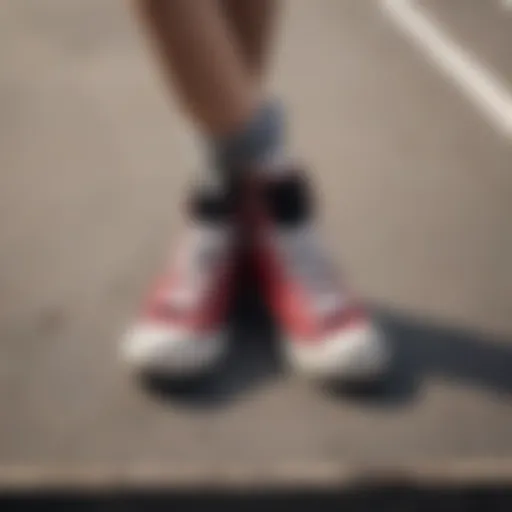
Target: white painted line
479 84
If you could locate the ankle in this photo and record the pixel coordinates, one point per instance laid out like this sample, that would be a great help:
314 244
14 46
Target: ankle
255 143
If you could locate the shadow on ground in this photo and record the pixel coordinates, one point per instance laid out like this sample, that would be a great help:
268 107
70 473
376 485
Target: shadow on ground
422 349
253 358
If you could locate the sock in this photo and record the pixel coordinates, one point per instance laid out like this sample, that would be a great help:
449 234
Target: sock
259 143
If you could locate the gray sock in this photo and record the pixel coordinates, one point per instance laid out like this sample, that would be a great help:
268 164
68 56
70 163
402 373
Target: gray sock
259 139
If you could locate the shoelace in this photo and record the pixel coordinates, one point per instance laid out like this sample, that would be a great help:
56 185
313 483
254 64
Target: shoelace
311 265
199 256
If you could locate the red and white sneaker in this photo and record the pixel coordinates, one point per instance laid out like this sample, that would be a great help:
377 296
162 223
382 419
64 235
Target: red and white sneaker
327 334
182 329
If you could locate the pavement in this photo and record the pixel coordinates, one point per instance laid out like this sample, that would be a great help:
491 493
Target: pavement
404 111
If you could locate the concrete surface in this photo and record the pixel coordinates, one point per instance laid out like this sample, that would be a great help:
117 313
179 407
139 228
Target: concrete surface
415 186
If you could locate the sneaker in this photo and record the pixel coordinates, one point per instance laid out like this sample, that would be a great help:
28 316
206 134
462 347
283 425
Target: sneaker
182 328
327 332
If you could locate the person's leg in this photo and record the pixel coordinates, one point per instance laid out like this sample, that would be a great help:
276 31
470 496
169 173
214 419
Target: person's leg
301 284
181 330
207 64
325 333
253 24
200 58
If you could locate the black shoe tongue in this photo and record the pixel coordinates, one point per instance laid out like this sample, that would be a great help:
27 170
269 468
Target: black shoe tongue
211 207
215 202
288 200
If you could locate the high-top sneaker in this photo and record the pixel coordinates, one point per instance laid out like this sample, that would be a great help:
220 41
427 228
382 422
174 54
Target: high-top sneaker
181 331
327 332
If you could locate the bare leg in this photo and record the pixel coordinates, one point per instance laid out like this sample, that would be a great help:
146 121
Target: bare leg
253 23
200 56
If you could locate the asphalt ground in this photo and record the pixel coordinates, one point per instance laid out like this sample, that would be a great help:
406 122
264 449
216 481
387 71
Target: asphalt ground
403 110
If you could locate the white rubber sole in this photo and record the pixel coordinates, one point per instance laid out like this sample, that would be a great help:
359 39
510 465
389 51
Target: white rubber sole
171 351
357 354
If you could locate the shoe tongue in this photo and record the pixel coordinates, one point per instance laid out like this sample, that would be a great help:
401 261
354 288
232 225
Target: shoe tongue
212 204
215 199
210 208
288 200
